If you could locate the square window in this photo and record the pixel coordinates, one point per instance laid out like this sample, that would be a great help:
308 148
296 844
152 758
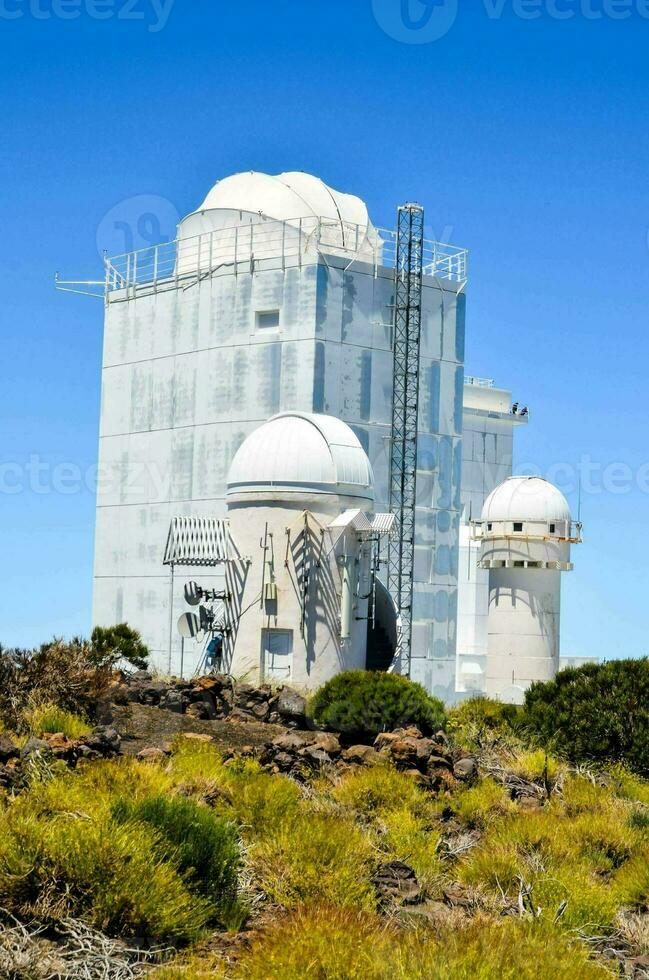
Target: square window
518 526
267 319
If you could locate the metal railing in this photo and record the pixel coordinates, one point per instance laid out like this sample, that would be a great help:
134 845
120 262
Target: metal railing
469 379
267 244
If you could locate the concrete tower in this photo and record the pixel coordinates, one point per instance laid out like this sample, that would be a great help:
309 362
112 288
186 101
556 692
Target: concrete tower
277 296
300 496
525 532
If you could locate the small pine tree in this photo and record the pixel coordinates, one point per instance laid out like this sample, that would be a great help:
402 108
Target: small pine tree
109 645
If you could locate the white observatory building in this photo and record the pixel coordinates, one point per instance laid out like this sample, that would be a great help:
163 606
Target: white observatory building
249 385
525 533
277 296
300 500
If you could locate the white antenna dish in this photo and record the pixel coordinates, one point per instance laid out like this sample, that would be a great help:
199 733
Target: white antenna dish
188 625
193 593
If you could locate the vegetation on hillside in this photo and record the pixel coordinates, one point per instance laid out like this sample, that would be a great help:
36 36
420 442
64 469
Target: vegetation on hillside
526 862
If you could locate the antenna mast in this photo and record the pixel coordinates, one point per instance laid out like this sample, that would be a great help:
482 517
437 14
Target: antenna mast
405 409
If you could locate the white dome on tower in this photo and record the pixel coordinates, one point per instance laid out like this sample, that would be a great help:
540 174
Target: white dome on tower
301 453
285 197
258 214
526 498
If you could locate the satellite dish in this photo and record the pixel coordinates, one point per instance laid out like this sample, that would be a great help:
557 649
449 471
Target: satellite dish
193 593
188 625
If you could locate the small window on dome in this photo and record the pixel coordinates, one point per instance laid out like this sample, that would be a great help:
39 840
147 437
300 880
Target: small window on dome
267 319
490 526
553 528
518 526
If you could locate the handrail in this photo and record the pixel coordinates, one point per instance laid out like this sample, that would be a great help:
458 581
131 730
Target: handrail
187 260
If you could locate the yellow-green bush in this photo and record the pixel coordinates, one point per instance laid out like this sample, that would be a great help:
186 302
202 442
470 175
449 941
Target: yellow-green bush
476 806
48 718
315 858
377 790
336 944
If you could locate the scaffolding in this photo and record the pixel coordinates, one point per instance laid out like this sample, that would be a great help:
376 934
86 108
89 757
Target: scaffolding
405 407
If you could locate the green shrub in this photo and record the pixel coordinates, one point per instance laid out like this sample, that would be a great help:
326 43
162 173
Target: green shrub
597 712
203 846
111 644
362 703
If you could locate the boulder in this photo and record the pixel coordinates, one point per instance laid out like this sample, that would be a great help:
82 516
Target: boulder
327 742
290 706
465 769
211 682
291 742
151 754
360 755
104 740
174 700
199 710
8 750
396 881
34 746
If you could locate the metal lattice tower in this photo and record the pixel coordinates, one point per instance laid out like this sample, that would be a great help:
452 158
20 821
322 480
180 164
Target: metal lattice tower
405 407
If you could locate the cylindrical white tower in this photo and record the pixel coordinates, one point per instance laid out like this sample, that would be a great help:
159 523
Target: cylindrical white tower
526 531
300 598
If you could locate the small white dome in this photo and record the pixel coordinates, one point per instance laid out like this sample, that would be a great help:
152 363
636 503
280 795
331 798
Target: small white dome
526 498
296 452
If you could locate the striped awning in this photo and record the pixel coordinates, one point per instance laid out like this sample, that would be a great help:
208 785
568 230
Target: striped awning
198 541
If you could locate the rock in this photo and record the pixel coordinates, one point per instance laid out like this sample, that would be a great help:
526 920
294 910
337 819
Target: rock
465 769
283 761
314 755
260 711
139 677
328 742
173 700
211 682
198 710
151 754
291 707
197 736
360 755
7 749
291 742
34 746
239 714
59 745
104 739
417 777
396 881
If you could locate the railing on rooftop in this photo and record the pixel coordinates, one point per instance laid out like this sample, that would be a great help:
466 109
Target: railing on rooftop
267 244
469 379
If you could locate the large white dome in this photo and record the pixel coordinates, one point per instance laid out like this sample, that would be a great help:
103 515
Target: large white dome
284 197
296 199
296 452
526 498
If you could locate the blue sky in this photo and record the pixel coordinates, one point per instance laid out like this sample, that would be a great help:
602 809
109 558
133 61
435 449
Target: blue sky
522 128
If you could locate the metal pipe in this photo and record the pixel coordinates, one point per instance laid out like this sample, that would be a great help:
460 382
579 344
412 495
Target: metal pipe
171 613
